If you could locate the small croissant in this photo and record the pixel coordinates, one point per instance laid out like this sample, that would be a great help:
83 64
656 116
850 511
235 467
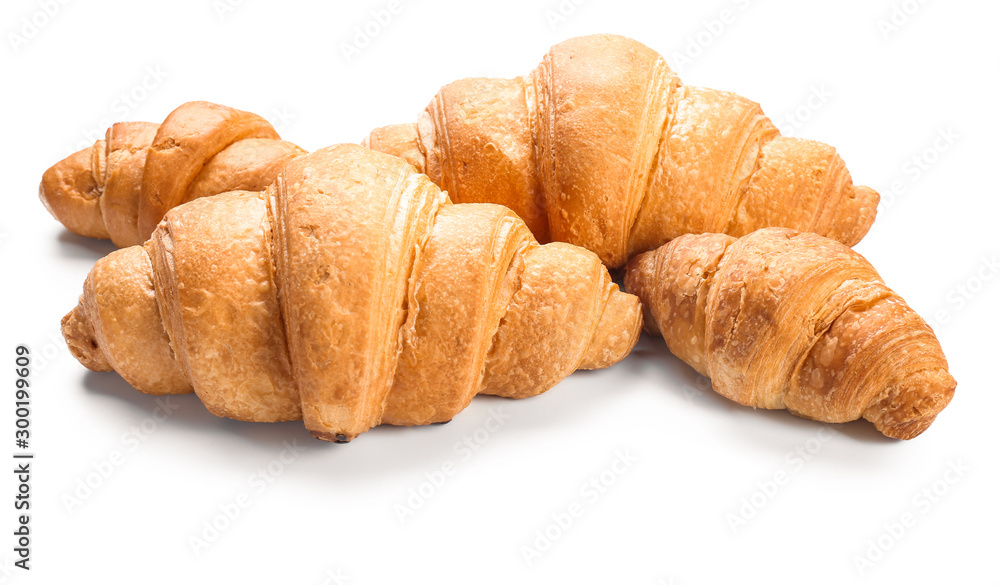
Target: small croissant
350 293
602 146
783 319
122 186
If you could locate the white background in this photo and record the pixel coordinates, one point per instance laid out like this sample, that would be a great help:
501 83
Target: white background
331 514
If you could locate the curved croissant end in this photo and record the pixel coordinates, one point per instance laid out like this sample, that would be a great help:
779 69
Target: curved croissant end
783 319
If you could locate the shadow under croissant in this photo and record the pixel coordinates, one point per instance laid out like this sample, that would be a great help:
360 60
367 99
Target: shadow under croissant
543 411
74 246
397 453
406 457
656 362
265 441
190 412
547 410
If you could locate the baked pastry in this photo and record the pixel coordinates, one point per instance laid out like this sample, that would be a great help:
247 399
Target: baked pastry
784 319
602 146
350 293
121 187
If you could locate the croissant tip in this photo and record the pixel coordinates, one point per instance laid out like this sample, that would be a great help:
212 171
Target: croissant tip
867 201
79 334
70 192
889 421
908 430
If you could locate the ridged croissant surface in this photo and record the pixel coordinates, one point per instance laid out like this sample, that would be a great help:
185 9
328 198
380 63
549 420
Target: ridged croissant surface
122 186
350 293
603 147
782 319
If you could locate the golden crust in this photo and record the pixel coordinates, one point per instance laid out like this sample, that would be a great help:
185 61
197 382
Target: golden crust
245 165
350 293
190 136
603 147
116 190
347 229
464 279
118 294
588 323
71 193
127 144
486 155
212 271
786 319
401 136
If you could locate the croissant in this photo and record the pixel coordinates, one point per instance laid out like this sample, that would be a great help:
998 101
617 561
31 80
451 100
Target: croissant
350 293
121 187
603 147
785 319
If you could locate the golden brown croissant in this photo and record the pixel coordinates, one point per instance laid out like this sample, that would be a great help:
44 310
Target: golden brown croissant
783 319
350 293
121 187
603 147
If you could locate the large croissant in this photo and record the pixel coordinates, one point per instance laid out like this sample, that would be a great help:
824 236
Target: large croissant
122 186
350 293
782 319
603 147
